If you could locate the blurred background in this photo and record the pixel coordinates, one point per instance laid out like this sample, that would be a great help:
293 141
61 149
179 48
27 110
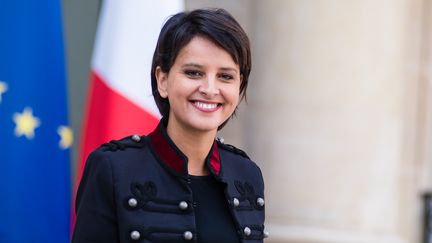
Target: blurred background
338 115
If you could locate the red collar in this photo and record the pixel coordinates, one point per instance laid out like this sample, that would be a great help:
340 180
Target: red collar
170 155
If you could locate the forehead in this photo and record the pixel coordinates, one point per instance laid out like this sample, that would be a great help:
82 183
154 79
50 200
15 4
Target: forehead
203 51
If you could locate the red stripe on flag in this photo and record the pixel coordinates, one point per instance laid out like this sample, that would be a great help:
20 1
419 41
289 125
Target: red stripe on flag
109 116
112 116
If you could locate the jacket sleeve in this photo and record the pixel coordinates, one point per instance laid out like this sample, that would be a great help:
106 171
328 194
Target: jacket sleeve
95 205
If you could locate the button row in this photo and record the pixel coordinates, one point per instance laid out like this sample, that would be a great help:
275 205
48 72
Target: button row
132 202
135 235
247 232
187 235
260 201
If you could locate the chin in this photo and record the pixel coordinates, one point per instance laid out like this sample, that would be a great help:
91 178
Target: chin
205 126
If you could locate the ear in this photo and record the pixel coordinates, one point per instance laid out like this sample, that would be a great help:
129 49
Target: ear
162 82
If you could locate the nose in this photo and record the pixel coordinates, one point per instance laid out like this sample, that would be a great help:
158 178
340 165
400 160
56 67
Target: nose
209 87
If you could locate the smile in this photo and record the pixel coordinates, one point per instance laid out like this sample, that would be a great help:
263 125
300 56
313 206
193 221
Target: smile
206 107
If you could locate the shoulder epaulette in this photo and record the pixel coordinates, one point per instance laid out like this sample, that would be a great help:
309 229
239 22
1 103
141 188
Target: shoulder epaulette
231 148
134 141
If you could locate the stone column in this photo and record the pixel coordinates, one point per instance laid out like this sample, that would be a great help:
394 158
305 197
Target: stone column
331 118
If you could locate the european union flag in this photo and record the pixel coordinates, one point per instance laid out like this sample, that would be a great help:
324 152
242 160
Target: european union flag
35 138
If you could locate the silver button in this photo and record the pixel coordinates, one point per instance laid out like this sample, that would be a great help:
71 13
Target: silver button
187 235
247 231
136 138
236 202
183 205
135 235
266 234
132 202
260 201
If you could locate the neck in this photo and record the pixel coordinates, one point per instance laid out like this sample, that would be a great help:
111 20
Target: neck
195 145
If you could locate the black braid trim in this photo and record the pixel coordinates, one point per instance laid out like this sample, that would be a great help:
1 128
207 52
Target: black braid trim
233 149
160 234
122 144
248 197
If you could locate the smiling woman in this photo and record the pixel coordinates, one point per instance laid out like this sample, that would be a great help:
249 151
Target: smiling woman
202 88
180 183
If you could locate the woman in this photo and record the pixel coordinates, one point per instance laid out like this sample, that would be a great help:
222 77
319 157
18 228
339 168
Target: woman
179 184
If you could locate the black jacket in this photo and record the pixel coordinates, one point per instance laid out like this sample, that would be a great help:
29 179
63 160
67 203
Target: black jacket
136 190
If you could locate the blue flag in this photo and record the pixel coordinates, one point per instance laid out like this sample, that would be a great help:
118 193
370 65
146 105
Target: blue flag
35 137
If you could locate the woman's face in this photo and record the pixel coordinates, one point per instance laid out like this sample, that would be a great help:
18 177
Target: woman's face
202 86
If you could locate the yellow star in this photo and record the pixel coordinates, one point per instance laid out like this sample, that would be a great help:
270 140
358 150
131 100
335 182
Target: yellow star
66 137
3 89
26 123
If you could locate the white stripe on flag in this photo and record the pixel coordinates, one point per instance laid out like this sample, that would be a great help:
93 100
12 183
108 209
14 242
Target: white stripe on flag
125 42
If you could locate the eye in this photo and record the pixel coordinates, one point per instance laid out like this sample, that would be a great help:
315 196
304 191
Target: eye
193 73
226 76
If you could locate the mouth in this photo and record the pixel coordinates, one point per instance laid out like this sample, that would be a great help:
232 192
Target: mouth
206 106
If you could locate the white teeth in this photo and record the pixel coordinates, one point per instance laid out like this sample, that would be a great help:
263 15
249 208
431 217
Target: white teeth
205 105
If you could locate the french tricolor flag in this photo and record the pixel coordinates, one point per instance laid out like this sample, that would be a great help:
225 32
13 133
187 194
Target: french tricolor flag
120 101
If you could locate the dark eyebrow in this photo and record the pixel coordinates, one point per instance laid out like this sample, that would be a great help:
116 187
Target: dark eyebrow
191 65
229 69
195 65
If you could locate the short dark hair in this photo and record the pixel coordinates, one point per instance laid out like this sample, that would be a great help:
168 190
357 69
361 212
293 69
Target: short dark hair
215 24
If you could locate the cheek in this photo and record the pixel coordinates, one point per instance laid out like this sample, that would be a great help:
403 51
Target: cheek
233 96
181 87
174 89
